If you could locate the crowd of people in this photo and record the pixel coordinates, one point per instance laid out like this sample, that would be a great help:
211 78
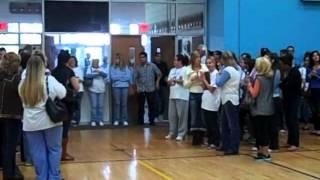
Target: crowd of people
214 96
231 99
28 83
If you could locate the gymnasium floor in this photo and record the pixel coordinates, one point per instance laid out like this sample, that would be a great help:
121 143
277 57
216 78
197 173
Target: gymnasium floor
143 153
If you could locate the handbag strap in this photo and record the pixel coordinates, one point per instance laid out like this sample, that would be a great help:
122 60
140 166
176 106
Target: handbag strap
47 85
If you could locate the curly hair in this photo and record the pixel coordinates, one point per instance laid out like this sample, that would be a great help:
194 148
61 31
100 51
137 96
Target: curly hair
10 64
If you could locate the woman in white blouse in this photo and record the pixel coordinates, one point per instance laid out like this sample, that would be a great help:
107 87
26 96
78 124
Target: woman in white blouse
42 134
211 100
193 82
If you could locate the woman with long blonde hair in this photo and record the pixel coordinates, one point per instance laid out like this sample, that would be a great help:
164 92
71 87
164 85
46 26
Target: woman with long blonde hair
262 109
44 135
120 78
194 84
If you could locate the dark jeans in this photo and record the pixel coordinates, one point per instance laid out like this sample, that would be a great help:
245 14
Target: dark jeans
262 130
276 123
151 100
315 100
213 130
304 112
9 134
66 124
197 123
162 100
77 112
279 112
230 128
291 106
244 114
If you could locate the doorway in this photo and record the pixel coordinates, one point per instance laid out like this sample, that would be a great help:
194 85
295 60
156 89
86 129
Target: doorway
128 47
165 45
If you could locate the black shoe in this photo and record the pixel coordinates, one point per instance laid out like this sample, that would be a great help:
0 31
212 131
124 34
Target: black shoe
267 158
230 153
261 157
220 149
274 148
197 138
16 177
152 124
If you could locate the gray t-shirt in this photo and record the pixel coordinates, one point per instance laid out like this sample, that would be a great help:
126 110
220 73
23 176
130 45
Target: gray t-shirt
263 105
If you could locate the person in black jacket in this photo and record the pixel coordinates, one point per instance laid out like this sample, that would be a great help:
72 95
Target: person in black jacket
163 91
66 76
10 114
291 90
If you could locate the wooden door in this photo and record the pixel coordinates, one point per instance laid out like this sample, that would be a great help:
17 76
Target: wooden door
123 44
166 44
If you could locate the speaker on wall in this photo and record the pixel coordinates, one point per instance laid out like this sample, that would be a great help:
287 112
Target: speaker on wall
25 8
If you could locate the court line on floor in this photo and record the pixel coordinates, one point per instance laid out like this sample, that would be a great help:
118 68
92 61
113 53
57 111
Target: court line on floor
309 157
155 170
142 162
290 168
166 158
123 150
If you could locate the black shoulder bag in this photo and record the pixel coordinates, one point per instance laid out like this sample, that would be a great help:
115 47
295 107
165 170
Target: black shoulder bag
56 109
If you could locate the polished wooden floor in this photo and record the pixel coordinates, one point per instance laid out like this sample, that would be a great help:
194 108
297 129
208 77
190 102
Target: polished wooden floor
143 153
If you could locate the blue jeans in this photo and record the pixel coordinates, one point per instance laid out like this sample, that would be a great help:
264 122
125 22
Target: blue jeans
45 152
230 128
120 104
27 156
97 104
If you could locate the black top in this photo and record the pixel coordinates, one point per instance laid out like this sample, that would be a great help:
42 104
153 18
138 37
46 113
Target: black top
165 72
11 105
291 85
63 74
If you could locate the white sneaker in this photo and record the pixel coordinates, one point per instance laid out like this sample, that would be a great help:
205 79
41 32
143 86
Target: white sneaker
283 131
169 136
179 138
93 124
116 123
125 123
211 146
101 123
